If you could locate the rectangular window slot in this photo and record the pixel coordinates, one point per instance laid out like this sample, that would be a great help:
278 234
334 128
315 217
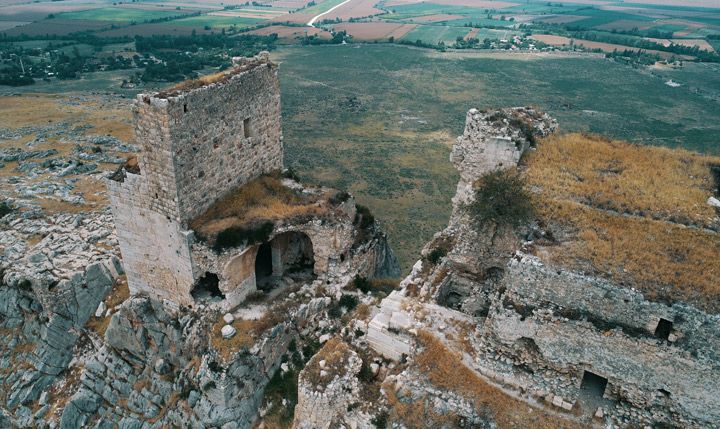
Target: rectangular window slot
247 128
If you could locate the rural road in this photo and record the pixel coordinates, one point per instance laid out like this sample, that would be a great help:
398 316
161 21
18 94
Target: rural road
315 18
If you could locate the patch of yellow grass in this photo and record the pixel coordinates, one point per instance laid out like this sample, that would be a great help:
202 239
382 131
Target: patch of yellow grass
445 369
248 331
218 77
587 185
264 198
670 184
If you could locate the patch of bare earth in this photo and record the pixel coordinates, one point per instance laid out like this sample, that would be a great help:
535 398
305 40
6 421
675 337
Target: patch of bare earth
374 30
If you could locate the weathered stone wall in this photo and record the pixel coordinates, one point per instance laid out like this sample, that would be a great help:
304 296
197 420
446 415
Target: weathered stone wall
197 145
327 387
579 323
155 250
201 143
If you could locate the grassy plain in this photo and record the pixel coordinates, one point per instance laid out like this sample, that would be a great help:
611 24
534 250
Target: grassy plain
382 124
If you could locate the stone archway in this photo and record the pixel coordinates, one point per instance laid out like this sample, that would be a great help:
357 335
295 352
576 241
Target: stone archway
289 255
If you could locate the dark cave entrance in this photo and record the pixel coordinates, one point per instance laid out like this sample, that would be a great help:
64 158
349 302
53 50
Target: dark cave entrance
207 288
593 385
263 263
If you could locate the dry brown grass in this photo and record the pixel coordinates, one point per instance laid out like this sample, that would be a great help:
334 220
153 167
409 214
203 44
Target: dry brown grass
24 348
362 312
248 331
264 198
336 355
119 293
246 335
588 185
417 414
445 369
671 184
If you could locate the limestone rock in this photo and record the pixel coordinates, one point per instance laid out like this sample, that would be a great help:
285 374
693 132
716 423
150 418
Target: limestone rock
228 331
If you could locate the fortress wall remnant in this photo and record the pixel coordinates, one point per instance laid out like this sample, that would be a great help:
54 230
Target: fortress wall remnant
495 140
199 144
199 140
155 249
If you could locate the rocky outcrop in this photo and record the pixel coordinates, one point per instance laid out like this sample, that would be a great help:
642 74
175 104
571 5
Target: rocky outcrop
42 324
327 388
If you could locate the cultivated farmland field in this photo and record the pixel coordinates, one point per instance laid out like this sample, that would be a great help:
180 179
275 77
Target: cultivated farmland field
117 14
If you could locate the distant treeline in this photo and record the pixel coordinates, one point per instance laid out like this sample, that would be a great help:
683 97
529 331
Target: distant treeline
250 44
631 38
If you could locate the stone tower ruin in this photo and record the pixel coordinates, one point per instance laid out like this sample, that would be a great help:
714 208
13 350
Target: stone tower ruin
202 142
199 140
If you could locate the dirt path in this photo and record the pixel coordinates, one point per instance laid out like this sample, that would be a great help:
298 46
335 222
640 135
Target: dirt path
315 18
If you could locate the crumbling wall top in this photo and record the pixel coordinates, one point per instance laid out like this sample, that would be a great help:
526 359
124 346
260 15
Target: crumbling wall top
240 66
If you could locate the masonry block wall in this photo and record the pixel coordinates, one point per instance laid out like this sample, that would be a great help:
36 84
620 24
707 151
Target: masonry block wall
198 143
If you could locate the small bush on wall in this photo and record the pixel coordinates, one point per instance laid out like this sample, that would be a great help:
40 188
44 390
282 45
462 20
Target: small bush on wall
502 197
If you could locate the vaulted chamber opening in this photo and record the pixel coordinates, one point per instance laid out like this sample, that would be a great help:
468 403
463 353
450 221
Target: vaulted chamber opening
664 328
207 288
593 385
286 258
263 263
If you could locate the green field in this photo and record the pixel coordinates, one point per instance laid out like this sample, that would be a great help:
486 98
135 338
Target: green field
435 34
379 119
216 21
119 14
322 7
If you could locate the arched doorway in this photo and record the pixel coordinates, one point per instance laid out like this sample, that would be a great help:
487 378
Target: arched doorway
288 257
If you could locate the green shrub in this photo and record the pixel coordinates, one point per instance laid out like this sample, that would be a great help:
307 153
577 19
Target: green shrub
334 312
363 217
290 174
349 302
235 236
365 375
362 284
339 198
380 421
436 255
501 197
374 286
283 386
5 209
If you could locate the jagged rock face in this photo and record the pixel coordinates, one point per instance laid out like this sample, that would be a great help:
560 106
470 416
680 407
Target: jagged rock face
42 324
155 359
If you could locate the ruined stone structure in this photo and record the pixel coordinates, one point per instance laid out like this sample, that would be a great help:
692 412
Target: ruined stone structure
201 141
575 342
